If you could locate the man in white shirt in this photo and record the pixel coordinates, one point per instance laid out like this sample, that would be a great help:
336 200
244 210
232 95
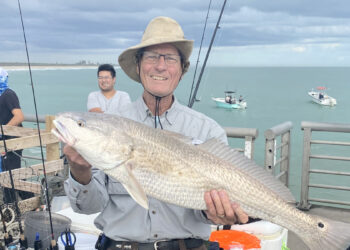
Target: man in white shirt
108 99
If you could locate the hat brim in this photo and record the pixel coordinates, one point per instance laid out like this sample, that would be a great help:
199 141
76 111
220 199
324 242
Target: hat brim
127 59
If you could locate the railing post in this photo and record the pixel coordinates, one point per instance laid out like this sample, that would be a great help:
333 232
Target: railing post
272 158
285 154
270 155
249 147
53 149
248 134
305 178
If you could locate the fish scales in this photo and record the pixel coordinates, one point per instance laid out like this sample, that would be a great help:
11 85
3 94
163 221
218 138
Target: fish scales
168 168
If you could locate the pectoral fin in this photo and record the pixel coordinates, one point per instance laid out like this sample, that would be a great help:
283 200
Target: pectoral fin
134 188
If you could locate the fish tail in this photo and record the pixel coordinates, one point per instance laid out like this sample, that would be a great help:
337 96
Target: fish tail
333 235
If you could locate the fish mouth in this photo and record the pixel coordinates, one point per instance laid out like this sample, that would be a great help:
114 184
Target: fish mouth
62 133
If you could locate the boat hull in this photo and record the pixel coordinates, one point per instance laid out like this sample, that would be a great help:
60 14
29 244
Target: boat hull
220 102
325 101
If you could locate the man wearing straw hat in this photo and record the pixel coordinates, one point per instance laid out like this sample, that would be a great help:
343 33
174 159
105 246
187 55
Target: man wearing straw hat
158 63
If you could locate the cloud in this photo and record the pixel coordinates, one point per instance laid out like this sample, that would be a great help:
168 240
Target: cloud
299 49
70 30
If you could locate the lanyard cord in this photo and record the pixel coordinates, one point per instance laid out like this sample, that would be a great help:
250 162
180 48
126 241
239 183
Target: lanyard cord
156 115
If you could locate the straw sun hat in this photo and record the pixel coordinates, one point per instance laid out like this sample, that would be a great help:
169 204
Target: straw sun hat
160 30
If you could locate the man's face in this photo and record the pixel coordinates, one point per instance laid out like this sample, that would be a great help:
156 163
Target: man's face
160 75
106 81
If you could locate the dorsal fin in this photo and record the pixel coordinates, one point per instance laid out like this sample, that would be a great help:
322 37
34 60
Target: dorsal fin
247 166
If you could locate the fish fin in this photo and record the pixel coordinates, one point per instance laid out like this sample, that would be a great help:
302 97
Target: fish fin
335 235
247 166
134 188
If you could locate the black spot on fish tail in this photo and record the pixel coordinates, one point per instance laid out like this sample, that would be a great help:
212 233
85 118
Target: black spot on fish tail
321 225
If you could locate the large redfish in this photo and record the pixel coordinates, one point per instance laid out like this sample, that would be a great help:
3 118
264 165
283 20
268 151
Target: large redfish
166 166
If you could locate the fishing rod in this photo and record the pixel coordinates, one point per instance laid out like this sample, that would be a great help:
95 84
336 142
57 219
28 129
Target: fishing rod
190 104
199 52
23 241
53 241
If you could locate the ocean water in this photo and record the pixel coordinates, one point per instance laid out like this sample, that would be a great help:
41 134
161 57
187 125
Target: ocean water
274 95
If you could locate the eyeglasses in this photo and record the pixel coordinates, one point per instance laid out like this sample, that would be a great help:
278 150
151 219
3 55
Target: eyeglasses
100 78
153 58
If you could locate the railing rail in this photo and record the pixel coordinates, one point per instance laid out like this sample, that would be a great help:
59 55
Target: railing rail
32 118
271 148
248 134
27 179
308 128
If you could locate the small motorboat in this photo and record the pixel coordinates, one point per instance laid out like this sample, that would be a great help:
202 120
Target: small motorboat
230 101
319 96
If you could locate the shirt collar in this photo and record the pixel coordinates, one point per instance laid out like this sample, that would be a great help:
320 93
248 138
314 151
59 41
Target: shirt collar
146 113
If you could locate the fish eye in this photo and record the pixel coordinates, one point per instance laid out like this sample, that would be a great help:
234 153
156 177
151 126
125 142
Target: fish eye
81 123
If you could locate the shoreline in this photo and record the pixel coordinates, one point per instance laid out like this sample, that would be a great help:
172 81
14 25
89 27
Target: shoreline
46 67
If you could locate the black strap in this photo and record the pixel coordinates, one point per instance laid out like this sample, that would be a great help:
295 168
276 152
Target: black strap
101 243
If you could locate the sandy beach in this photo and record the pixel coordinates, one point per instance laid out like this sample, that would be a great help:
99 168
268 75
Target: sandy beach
46 67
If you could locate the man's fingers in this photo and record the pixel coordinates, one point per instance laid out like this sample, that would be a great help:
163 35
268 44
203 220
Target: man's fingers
226 204
209 202
241 215
74 158
216 196
221 210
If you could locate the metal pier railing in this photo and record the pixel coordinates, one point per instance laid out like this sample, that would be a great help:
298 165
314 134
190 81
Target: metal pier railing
248 134
308 128
32 118
278 154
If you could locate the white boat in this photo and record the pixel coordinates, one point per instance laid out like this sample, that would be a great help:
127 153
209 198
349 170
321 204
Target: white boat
230 101
321 97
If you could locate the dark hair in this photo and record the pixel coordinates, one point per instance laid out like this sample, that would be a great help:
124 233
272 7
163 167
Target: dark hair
106 67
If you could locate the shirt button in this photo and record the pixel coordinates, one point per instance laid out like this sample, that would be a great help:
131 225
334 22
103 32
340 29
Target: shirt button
74 190
85 191
155 236
153 212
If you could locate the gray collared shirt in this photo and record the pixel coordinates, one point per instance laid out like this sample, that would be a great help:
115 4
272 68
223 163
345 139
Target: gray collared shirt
121 218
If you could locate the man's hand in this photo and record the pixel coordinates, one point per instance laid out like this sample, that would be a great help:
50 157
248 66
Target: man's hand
221 211
79 167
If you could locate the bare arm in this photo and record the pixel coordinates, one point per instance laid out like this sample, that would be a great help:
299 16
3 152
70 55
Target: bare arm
221 210
80 169
17 118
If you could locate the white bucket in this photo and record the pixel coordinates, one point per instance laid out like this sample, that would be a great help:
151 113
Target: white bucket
272 236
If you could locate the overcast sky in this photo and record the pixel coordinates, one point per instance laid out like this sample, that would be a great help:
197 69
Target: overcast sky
252 33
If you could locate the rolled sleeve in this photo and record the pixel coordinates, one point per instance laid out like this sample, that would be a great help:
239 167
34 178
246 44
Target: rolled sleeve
90 198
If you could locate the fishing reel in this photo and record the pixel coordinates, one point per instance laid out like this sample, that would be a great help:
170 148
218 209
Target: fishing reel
8 213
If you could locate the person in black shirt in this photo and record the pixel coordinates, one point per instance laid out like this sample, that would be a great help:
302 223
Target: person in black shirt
10 114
